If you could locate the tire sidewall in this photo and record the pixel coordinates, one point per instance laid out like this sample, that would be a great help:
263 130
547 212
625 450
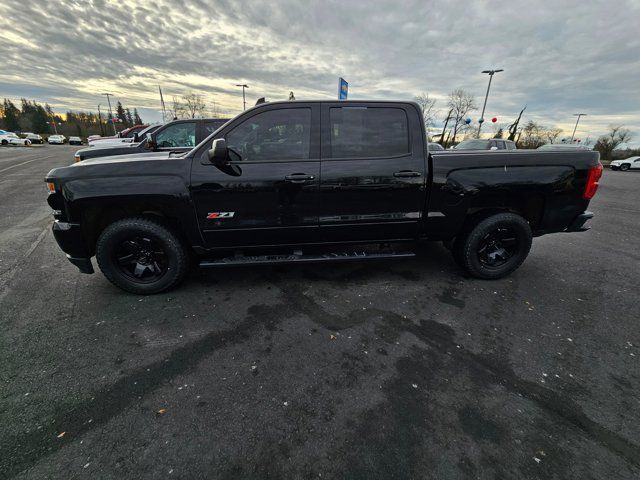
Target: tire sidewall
624 167
471 258
116 233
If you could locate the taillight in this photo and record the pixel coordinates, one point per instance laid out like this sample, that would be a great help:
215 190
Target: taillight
592 181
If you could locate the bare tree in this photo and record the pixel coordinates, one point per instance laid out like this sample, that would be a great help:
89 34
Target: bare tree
194 105
460 103
215 111
533 135
617 135
427 105
551 134
176 109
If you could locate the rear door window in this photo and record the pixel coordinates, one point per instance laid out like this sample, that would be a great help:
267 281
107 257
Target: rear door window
368 132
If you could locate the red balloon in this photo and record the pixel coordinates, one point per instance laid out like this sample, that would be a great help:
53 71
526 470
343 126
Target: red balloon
494 119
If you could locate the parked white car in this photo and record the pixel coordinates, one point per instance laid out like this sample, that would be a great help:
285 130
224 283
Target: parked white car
10 138
75 141
57 139
626 164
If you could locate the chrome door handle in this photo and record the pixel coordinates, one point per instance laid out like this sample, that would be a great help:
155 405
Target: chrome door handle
406 173
299 178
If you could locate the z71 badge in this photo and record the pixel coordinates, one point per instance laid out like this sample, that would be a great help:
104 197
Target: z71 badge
217 215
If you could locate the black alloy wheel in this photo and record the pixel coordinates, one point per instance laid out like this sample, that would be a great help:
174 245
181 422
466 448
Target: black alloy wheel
497 247
494 247
141 259
142 255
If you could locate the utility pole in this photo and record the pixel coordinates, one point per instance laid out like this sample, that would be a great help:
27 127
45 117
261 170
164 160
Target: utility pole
491 73
111 112
244 102
100 121
164 110
578 119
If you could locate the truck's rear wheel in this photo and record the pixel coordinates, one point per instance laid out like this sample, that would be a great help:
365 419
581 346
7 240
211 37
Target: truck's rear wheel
495 247
141 256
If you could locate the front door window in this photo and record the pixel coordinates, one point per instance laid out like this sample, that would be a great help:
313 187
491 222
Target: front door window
177 135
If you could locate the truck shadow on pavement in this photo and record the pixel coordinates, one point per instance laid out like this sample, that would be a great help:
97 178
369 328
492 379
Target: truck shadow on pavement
406 414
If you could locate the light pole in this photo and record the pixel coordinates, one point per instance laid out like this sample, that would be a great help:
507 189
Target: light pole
491 73
244 102
577 120
111 112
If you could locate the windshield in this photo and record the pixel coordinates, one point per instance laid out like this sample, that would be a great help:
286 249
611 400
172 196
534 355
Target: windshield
149 129
474 144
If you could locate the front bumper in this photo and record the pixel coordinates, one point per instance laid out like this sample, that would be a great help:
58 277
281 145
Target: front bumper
69 238
578 224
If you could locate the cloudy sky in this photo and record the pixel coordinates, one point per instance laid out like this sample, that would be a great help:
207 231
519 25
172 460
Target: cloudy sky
560 57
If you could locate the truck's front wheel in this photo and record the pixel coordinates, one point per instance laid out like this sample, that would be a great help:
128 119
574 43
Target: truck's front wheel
495 247
141 256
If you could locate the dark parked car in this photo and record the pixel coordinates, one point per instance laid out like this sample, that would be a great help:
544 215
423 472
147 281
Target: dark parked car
486 144
176 136
302 181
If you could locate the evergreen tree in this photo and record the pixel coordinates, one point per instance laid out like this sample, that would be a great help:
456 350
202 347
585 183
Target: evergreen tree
120 113
39 122
129 118
11 116
136 118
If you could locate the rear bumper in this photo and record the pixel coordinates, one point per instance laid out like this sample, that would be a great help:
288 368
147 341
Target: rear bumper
578 224
69 238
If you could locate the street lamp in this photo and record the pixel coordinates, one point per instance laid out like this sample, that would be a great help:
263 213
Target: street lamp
110 111
244 102
577 120
491 73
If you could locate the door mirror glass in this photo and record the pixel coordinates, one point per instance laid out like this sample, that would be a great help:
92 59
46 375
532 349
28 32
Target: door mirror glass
151 144
219 153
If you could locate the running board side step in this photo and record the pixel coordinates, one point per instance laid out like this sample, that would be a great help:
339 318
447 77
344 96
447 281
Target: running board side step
296 258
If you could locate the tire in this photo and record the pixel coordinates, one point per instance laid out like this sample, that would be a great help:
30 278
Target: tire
495 247
624 167
4 142
141 256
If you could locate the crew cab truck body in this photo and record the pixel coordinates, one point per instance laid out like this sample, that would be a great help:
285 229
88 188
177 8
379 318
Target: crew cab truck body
306 181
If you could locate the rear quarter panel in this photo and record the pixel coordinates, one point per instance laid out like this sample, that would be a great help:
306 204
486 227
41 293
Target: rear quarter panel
545 187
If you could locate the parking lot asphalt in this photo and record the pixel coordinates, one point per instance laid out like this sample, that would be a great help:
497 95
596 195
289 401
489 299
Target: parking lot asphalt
403 369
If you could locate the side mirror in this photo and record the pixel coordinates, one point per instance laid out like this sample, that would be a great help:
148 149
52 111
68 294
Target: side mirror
493 148
219 154
151 144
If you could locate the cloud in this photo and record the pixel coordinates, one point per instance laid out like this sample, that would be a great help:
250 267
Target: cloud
559 57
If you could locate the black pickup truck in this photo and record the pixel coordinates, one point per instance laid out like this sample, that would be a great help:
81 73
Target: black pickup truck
311 182
175 136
